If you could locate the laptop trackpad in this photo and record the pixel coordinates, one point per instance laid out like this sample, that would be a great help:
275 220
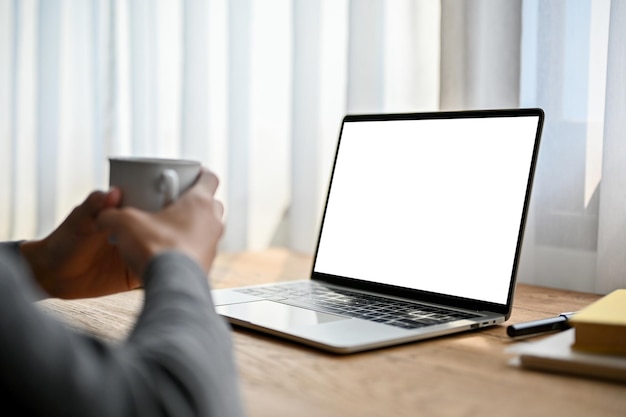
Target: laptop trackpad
275 315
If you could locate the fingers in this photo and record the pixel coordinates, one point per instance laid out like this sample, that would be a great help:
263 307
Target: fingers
183 225
218 209
113 198
82 217
93 203
112 220
208 180
99 200
131 231
205 186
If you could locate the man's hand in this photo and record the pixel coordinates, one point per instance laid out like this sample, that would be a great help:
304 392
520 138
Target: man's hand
76 260
191 225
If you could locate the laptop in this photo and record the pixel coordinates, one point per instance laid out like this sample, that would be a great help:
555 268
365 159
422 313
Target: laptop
420 237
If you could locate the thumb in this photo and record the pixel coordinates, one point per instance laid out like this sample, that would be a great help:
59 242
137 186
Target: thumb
113 198
98 200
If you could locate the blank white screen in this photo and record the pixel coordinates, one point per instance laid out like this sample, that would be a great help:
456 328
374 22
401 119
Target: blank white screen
432 204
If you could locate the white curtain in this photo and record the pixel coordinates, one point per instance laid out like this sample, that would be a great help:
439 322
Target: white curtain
256 89
573 66
566 57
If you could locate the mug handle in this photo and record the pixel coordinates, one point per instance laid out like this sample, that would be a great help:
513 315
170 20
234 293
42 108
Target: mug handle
169 185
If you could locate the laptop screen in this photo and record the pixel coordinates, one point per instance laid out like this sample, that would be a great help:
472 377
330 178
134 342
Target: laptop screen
431 203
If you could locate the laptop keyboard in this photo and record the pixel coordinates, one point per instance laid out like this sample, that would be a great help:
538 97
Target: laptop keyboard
343 302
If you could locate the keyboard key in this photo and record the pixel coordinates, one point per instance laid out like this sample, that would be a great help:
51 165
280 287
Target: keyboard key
348 303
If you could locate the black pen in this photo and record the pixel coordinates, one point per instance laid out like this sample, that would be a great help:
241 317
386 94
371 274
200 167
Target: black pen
559 322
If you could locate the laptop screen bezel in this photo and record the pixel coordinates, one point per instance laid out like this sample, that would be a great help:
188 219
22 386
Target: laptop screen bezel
425 296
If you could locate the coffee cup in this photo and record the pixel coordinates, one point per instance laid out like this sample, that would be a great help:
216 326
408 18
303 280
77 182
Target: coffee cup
151 183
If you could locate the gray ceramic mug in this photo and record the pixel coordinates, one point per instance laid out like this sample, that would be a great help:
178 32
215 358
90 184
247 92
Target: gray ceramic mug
151 183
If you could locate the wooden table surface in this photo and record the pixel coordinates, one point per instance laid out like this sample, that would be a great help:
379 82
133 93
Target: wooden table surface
461 375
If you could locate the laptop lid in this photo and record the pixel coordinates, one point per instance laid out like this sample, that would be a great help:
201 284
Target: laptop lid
430 206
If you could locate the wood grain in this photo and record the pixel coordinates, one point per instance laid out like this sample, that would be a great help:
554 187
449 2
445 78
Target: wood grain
461 375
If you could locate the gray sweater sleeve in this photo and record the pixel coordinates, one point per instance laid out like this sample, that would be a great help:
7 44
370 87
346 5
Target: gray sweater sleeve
177 361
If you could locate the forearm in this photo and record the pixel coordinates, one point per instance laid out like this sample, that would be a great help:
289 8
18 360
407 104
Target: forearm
15 250
179 329
33 254
177 361
36 256
11 248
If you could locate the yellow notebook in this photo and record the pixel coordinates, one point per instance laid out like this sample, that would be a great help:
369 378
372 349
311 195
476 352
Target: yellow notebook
601 327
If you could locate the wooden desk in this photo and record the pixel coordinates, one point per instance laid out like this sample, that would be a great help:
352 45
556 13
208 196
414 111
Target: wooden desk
461 375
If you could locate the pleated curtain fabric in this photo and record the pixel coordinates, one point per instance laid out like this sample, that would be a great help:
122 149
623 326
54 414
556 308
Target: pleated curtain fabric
256 89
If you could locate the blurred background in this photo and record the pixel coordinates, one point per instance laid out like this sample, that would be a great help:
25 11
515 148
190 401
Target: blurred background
256 90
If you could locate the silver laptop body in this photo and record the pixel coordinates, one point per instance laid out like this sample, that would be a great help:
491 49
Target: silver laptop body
421 233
